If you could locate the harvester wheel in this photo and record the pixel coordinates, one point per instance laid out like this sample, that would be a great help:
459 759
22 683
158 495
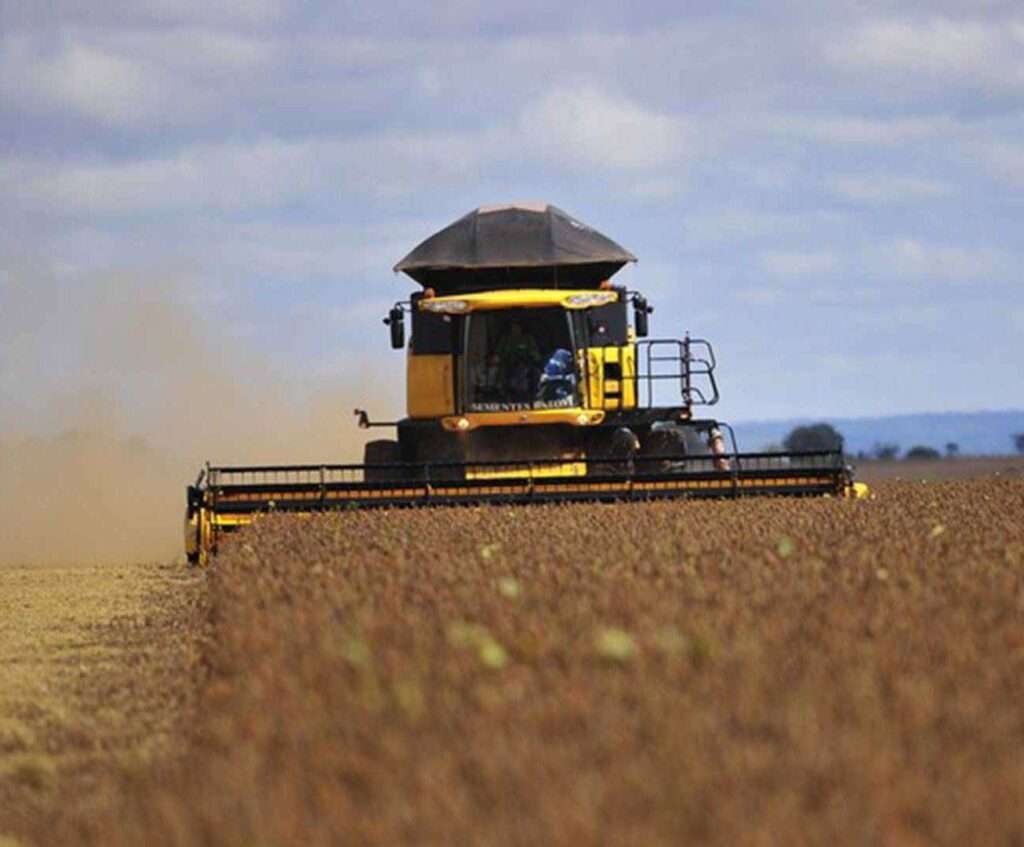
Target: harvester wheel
668 443
383 451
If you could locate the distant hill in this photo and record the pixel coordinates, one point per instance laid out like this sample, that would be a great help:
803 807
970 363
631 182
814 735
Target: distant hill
977 433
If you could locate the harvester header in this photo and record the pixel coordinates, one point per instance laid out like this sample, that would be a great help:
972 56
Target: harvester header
530 378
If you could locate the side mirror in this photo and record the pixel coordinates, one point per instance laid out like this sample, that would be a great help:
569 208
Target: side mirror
396 321
640 312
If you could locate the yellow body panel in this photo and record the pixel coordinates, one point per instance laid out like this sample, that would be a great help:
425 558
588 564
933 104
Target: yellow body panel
605 393
519 298
519 472
430 386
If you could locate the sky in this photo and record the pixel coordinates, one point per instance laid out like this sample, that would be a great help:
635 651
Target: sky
831 193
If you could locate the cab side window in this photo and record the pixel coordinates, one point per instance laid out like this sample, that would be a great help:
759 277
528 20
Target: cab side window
607 324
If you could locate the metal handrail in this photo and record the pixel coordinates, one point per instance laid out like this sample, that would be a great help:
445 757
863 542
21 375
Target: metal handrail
689 367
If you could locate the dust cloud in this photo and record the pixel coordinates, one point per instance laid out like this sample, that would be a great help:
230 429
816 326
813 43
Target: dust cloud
115 391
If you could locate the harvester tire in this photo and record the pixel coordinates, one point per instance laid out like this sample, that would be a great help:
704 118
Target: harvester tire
668 443
383 451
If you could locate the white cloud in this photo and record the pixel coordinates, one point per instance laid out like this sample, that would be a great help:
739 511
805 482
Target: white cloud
927 316
846 365
430 81
795 263
219 176
195 51
367 53
711 228
936 45
968 51
79 78
260 174
881 189
145 12
1003 160
303 250
135 80
912 258
222 11
657 188
760 295
583 127
858 131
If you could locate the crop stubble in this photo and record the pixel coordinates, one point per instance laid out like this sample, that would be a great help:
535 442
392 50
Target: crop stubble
98 666
734 672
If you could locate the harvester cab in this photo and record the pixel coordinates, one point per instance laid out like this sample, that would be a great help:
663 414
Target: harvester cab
530 378
541 380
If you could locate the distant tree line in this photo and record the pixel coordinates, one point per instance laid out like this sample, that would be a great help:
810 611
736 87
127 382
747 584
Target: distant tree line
918 451
821 436
824 436
889 452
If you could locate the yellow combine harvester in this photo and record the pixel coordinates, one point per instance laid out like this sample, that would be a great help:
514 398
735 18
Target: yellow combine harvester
527 383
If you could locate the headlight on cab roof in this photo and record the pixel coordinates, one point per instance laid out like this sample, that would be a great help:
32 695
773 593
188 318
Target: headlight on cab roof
446 307
587 299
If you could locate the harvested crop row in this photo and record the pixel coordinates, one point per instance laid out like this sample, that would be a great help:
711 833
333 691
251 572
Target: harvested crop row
98 674
735 672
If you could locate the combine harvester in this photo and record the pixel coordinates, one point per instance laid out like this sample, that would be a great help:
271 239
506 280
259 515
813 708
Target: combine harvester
526 384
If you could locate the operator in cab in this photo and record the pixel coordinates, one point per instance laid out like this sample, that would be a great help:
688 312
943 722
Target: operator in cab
520 360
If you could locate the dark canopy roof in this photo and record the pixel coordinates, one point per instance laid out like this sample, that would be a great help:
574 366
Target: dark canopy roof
511 246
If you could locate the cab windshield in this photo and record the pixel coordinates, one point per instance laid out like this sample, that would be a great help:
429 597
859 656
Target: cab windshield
518 359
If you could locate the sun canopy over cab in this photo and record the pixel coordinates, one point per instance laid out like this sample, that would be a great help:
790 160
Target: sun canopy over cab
514 246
